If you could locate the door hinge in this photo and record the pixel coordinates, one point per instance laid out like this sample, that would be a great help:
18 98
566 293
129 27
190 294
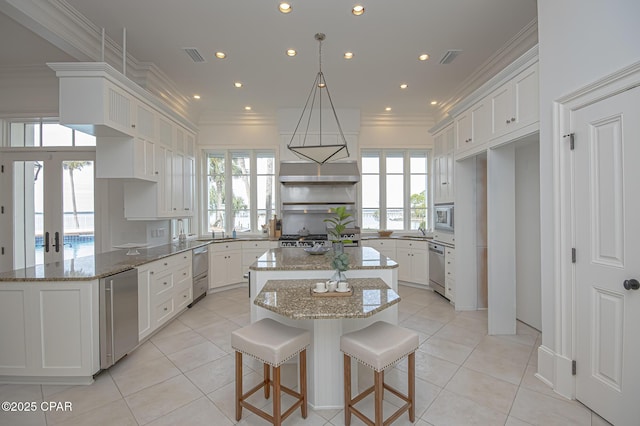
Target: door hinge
2 210
3 251
573 367
573 255
572 141
2 169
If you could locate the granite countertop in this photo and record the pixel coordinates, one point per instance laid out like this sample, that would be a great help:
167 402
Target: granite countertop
293 299
396 237
296 259
89 268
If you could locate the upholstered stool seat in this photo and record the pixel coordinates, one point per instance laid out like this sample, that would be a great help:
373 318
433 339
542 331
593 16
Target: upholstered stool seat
271 343
379 346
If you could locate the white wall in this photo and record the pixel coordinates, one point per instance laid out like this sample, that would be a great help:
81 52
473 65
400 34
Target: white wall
387 136
528 233
579 41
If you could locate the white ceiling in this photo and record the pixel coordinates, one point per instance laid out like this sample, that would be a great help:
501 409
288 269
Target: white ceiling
386 42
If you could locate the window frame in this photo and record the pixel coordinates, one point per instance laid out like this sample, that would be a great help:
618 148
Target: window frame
382 154
228 155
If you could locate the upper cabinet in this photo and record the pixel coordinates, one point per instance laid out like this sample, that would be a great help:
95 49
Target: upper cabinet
137 138
443 165
504 109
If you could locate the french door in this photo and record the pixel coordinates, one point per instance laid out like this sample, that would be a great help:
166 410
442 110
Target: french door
52 205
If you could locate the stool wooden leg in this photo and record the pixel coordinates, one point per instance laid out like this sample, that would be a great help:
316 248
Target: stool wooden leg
378 378
276 396
266 379
412 386
347 390
238 385
303 381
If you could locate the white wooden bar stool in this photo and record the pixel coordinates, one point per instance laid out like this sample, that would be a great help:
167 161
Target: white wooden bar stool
271 343
379 346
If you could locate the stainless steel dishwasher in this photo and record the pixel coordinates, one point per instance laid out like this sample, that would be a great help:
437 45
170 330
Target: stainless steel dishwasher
118 316
200 273
436 267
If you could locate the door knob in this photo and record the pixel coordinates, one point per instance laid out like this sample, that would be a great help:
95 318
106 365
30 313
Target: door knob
631 284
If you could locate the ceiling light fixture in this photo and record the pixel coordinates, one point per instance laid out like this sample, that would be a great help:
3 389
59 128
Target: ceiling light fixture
196 96
423 57
221 55
348 55
404 85
316 151
285 7
247 108
237 84
357 10
434 102
291 52
387 109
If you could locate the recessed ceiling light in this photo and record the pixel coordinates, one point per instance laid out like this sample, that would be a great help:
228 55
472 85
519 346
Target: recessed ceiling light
196 96
348 55
387 109
247 108
322 85
284 7
221 55
404 85
434 102
357 10
291 52
423 57
237 84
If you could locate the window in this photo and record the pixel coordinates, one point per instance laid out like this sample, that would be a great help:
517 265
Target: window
46 134
249 178
394 189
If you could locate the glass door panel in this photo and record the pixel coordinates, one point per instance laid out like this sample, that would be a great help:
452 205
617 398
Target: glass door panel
77 207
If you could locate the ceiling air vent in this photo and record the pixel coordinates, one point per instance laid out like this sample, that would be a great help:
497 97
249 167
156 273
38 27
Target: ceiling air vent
194 54
449 56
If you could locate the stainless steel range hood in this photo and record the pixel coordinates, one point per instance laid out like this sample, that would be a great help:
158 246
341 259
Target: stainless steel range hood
312 173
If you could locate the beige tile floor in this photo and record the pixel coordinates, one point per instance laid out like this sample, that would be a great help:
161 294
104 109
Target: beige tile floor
184 375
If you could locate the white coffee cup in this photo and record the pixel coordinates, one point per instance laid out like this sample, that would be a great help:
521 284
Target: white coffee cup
342 286
332 285
321 287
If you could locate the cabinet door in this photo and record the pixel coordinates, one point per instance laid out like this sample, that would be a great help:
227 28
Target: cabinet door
165 132
405 264
218 271
17 318
420 267
437 179
526 92
234 265
187 186
481 129
450 182
177 183
145 122
119 110
144 303
463 124
502 110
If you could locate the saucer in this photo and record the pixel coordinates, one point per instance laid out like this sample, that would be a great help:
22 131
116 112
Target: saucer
348 289
315 290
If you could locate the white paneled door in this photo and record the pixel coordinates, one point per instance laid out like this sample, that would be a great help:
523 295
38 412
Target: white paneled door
52 205
607 239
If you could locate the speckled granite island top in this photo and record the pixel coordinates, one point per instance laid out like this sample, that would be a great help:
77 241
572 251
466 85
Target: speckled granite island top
294 259
89 268
293 299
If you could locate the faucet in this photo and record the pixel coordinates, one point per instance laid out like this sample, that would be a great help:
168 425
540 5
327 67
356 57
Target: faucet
423 231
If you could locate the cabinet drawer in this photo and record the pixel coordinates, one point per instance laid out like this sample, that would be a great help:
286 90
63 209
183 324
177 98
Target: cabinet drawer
389 244
250 245
222 247
182 277
170 262
164 311
162 285
250 256
183 298
413 245
450 252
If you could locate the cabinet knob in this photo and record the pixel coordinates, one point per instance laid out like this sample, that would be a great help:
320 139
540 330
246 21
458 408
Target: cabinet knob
157 173
151 273
184 273
166 309
165 263
185 296
513 119
444 183
133 125
508 121
165 283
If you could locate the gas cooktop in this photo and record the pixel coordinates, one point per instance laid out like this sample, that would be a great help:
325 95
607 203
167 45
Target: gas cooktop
310 237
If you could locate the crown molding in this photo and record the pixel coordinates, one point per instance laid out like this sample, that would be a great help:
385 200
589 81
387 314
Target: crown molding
63 26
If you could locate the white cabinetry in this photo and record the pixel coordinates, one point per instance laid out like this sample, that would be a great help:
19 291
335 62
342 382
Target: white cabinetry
413 261
49 329
164 289
386 247
225 261
514 105
450 274
473 127
252 250
443 166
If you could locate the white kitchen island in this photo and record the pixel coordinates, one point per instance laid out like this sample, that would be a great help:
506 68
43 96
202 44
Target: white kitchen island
293 265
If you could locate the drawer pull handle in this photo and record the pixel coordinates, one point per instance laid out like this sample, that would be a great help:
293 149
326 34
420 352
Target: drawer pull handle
165 283
166 309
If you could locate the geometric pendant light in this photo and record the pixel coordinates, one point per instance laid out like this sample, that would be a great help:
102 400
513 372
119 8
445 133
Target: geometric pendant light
313 148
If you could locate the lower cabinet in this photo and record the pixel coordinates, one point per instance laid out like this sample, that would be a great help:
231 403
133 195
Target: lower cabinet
251 251
413 261
225 264
164 289
450 274
49 329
